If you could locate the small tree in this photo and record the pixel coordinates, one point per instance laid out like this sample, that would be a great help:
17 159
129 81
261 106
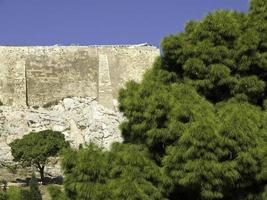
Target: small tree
35 193
35 148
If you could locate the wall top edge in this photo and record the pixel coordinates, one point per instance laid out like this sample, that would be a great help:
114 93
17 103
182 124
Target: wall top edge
74 45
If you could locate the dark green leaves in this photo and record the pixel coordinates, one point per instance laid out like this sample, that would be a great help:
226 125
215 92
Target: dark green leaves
206 127
126 172
35 148
224 49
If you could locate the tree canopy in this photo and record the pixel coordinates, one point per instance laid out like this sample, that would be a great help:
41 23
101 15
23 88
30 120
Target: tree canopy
35 148
196 126
201 110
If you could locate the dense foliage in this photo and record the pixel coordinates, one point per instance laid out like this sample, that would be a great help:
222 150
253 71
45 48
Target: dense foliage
222 56
35 148
56 193
125 172
196 125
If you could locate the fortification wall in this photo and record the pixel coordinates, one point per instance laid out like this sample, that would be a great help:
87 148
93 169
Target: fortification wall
39 75
12 76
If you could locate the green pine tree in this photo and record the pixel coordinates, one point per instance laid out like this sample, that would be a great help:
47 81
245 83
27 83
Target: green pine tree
200 110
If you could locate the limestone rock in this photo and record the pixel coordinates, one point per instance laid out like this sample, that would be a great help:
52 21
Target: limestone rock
81 120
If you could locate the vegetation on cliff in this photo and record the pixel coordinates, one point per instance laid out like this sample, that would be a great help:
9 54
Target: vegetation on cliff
196 125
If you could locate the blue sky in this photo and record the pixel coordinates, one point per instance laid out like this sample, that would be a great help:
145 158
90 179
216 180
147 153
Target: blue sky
87 22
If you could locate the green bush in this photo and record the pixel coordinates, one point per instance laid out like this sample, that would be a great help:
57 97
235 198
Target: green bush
25 194
3 196
35 193
56 193
14 193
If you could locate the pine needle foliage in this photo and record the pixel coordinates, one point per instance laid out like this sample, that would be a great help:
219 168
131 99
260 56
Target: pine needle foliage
200 110
126 172
35 148
86 174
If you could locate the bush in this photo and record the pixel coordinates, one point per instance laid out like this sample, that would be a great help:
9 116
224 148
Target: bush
34 193
56 193
3 196
14 193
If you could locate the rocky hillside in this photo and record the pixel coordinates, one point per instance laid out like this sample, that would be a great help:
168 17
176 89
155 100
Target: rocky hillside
81 120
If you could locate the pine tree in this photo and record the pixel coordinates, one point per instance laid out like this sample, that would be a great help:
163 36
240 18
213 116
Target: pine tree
35 148
201 110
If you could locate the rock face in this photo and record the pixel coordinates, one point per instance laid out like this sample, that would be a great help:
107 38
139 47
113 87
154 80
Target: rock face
81 120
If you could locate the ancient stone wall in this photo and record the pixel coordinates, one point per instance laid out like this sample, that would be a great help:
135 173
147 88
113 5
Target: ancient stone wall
55 73
40 75
12 76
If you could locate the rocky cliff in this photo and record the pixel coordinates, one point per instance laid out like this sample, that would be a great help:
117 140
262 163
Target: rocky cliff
81 120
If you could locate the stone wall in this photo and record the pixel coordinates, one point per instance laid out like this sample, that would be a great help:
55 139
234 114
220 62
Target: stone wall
12 76
55 73
40 75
